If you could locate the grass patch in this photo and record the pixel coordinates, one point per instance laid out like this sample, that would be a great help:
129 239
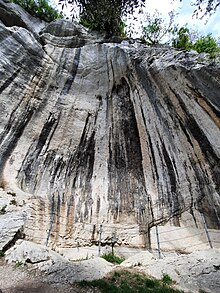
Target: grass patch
167 280
18 264
125 281
111 257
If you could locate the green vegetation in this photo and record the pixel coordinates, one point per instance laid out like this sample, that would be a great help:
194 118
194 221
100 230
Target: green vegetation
202 44
18 264
39 8
207 44
104 16
111 257
13 202
156 28
167 280
3 210
2 254
125 281
182 39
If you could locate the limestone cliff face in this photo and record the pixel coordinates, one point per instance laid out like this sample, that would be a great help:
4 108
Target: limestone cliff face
96 132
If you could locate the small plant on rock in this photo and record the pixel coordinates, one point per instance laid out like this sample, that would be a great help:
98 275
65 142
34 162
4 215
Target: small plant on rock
111 257
167 280
18 264
2 254
3 210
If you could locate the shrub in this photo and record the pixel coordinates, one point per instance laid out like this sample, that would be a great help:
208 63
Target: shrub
111 257
104 16
167 279
39 8
182 41
207 44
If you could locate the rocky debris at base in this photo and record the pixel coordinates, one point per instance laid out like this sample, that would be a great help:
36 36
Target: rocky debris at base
194 272
57 268
11 227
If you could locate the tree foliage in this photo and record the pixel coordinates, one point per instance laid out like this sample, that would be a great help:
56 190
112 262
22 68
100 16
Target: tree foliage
156 28
186 40
205 6
39 8
182 39
207 44
105 15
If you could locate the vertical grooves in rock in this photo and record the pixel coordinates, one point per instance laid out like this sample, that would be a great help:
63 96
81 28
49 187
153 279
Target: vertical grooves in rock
9 80
106 134
126 178
73 73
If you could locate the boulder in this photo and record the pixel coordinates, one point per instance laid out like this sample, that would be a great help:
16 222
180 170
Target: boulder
11 228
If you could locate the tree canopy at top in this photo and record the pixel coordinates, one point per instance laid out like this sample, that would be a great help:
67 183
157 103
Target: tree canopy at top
206 6
105 15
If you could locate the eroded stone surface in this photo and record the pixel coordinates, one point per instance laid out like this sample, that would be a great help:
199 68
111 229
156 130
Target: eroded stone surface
104 133
196 272
11 228
57 269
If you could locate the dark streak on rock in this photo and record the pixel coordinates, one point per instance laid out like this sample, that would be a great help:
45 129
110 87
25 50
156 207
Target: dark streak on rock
148 87
73 73
211 158
9 80
170 169
52 218
126 177
213 107
27 172
15 131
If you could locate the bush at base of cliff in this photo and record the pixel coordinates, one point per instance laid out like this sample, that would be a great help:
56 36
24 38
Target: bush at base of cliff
124 281
40 9
111 257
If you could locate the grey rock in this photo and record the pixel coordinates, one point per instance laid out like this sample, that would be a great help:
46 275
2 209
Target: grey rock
99 132
12 14
194 272
11 228
25 251
57 269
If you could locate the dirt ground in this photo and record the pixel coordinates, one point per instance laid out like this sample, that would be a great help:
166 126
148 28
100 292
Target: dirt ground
23 280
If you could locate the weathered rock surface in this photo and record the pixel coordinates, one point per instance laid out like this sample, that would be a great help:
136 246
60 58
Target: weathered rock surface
195 272
11 228
58 269
104 133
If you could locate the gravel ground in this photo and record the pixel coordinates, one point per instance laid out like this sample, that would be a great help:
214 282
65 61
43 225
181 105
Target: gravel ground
24 280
